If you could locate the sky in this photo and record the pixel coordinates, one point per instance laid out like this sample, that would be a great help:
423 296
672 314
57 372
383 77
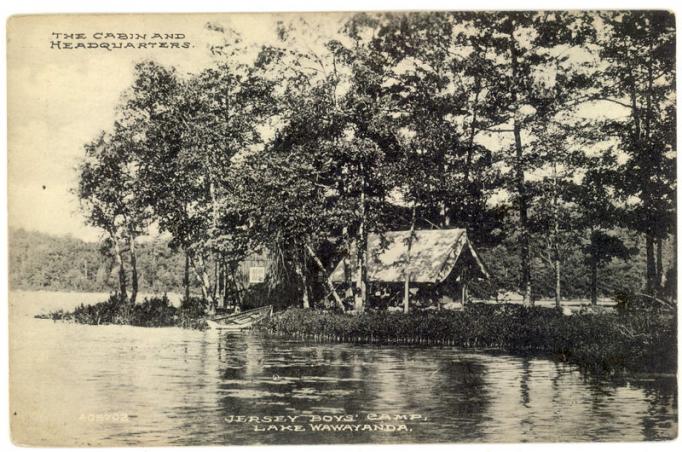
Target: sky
59 99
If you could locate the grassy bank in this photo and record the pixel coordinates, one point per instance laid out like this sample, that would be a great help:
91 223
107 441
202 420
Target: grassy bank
603 342
152 312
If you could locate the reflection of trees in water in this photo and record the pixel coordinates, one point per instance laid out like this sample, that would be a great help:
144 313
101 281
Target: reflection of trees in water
661 397
446 388
525 376
346 379
580 406
465 396
643 408
183 380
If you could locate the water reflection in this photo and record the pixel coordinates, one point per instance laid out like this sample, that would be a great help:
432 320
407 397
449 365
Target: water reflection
178 387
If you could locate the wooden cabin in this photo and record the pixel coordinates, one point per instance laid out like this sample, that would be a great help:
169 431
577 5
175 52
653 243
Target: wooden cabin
249 275
441 264
252 284
254 269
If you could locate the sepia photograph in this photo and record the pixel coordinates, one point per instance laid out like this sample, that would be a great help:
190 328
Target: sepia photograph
342 228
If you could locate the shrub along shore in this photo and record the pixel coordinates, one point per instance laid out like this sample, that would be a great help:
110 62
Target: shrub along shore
604 342
638 341
152 312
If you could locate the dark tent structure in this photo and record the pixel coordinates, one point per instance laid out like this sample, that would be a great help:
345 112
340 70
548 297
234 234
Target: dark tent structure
440 263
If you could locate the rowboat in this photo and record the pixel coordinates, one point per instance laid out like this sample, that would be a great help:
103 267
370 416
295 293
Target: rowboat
240 321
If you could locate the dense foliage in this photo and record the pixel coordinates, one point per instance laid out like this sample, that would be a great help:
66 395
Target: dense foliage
549 136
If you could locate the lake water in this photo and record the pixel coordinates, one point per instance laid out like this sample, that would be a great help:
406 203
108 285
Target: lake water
115 385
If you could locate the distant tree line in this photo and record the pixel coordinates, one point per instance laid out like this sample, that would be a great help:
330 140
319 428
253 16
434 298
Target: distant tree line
549 136
40 261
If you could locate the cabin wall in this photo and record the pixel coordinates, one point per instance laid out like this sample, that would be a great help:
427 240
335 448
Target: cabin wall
252 272
253 277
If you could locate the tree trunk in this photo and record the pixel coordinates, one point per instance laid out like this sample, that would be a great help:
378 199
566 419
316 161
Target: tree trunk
557 284
199 269
301 273
470 149
557 259
406 272
670 285
347 271
185 279
521 184
238 290
133 269
593 280
638 144
648 115
650 265
220 282
211 289
361 277
444 203
594 267
472 133
406 293
225 282
445 214
659 265
214 293
306 296
206 290
118 260
523 219
327 279
361 280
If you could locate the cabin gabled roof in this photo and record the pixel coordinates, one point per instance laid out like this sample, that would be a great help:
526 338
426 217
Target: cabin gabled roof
433 256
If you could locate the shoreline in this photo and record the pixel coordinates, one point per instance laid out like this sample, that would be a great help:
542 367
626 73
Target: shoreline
494 351
597 341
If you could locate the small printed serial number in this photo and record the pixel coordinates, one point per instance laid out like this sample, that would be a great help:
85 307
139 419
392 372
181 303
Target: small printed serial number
104 417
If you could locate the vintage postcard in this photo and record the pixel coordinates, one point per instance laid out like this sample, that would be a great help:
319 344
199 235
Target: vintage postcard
340 228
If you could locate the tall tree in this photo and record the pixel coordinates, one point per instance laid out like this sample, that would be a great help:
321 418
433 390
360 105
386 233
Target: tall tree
531 80
189 131
319 127
638 51
418 71
108 190
598 214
